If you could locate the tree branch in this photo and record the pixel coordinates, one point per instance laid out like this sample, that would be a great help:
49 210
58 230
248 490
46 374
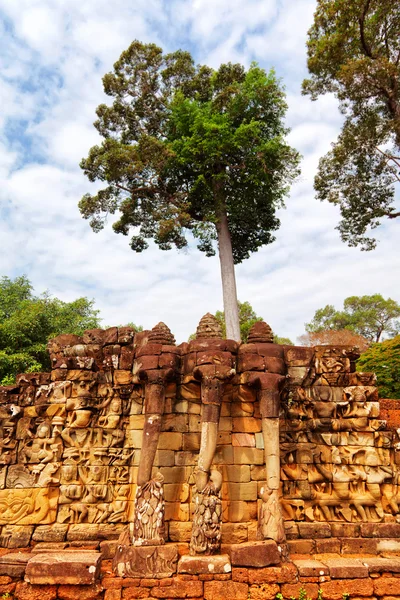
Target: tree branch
361 20
393 215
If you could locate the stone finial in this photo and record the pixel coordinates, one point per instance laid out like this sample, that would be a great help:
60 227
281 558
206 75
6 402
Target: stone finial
161 334
209 327
260 332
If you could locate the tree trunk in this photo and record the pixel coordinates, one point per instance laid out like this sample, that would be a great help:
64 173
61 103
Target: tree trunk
228 278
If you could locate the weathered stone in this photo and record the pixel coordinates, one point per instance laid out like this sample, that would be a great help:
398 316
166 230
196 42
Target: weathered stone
346 568
15 536
315 530
240 491
234 533
382 565
27 591
14 564
86 592
63 567
179 531
225 590
255 554
195 565
248 456
146 561
311 568
50 533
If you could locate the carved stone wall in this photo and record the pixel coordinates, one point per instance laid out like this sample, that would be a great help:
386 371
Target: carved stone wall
71 440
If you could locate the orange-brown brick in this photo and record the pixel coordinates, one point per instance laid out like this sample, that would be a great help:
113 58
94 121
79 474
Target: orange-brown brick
265 591
333 590
385 586
180 589
290 590
135 592
26 591
85 592
285 574
112 595
225 590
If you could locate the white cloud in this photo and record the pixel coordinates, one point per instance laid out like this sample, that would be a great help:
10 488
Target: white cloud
52 57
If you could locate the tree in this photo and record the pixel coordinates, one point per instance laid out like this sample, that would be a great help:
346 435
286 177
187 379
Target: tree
354 52
384 360
191 149
27 322
332 337
368 316
247 318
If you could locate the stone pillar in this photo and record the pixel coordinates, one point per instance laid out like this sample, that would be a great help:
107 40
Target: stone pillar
213 368
156 364
269 386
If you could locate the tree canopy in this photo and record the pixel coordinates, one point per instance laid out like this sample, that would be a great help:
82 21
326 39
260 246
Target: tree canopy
369 316
191 149
27 322
354 52
384 360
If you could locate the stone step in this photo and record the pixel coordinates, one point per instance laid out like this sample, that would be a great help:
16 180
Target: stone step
64 567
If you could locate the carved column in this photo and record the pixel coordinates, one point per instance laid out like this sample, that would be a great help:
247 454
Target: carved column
269 386
215 367
153 367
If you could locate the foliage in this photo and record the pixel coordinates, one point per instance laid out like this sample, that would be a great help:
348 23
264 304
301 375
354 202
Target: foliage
384 360
247 318
183 143
354 52
368 316
27 322
332 337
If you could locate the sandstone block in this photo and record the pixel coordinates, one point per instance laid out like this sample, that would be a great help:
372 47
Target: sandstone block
50 533
170 440
195 565
380 530
359 546
302 546
14 564
240 491
176 512
255 554
63 567
225 590
179 531
135 422
15 536
246 425
176 492
388 546
234 533
382 565
164 458
237 473
174 422
242 409
191 442
314 530
248 456
311 568
146 561
239 512
244 439
186 458
346 568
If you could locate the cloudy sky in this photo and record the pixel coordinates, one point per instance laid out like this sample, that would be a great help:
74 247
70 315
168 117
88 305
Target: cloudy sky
53 54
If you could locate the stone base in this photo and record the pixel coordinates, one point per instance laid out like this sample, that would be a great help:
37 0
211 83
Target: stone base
155 562
68 567
196 565
255 554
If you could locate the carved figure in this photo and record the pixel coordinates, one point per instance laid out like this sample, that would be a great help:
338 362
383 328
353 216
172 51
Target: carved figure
148 525
270 523
206 530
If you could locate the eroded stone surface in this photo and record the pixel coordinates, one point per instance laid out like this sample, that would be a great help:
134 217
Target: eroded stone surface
255 554
64 567
146 561
195 565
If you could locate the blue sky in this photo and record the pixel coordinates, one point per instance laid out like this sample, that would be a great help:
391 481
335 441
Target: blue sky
53 54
